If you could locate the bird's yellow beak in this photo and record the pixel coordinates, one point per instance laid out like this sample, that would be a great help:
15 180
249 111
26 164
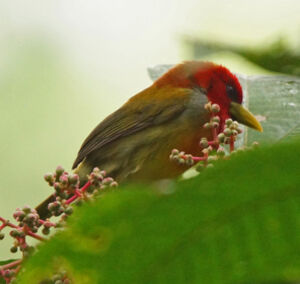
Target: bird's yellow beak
240 114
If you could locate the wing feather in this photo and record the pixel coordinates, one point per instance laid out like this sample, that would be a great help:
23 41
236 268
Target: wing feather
158 108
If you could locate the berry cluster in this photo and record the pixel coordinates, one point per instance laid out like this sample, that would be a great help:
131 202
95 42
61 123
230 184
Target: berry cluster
67 190
223 133
181 157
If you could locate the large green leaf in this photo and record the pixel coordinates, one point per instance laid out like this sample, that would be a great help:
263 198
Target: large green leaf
274 99
238 222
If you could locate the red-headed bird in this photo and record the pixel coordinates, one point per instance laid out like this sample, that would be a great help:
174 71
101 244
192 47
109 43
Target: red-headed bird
134 142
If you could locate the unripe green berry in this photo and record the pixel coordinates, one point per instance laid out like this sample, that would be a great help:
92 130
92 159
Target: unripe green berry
73 178
228 121
14 249
46 231
235 124
215 124
114 184
48 177
215 108
69 210
189 160
31 217
59 171
14 233
107 181
61 209
64 180
26 209
34 229
2 236
21 216
203 143
227 132
96 170
51 206
216 119
221 137
175 152
207 125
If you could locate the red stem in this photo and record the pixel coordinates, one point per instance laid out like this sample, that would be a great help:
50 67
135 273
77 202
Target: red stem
36 236
231 143
86 186
197 159
77 193
214 143
7 223
11 264
214 132
73 198
50 223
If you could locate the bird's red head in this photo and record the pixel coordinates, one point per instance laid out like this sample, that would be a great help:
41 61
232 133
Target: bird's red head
221 86
217 82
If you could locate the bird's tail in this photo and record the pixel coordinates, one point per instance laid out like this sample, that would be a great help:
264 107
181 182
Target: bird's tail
42 208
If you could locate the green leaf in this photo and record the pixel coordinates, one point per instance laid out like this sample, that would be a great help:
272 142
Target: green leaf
277 57
238 222
274 99
277 100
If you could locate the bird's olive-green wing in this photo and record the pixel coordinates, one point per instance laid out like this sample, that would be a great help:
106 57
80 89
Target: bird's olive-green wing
141 111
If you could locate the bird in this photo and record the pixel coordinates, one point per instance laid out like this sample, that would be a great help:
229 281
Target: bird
133 143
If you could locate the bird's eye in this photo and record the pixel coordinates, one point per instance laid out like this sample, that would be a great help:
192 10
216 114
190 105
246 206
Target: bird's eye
232 93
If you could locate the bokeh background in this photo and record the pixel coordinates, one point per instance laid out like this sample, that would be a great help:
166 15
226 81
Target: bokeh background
65 65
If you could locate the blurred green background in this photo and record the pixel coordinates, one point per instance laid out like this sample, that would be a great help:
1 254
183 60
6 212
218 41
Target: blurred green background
65 65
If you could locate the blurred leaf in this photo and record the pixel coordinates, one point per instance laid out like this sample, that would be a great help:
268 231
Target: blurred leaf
238 222
274 99
277 57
